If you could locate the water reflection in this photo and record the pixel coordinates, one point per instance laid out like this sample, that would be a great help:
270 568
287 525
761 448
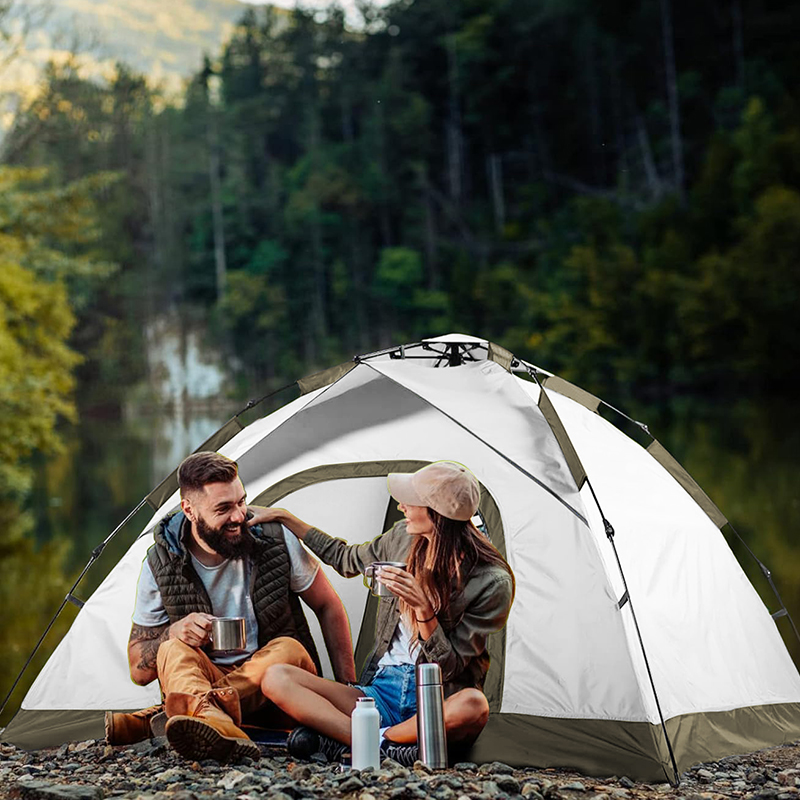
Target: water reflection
745 456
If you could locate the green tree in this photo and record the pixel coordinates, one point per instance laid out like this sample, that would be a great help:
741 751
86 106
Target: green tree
43 233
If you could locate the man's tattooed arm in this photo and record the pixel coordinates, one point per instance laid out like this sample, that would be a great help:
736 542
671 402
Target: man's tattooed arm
143 646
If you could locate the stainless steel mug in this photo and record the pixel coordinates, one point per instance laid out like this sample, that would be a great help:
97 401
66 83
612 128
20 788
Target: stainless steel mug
371 581
431 734
229 635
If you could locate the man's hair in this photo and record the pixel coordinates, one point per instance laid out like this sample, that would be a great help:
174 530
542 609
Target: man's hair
199 469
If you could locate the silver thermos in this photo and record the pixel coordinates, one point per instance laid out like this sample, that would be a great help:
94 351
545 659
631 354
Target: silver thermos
431 735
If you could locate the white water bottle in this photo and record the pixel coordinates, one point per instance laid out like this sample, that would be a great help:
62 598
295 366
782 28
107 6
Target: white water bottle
365 730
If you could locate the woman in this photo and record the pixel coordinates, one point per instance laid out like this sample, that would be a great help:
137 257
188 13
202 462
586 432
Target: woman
455 591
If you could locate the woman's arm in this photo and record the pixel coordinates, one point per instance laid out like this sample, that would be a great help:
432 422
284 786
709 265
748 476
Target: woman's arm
347 559
485 614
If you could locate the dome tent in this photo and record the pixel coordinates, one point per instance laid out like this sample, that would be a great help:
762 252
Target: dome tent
635 645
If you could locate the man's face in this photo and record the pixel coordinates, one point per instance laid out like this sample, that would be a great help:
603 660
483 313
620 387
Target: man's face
218 515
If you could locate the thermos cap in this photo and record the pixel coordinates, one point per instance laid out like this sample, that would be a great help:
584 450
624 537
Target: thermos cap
428 674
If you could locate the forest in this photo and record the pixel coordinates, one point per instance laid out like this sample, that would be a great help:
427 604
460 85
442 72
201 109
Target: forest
609 190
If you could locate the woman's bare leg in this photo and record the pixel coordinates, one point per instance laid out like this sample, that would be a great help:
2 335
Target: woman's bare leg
322 704
465 714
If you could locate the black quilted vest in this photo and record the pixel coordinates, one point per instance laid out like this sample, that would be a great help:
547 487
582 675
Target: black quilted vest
277 607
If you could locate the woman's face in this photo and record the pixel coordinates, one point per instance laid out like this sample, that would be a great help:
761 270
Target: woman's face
419 523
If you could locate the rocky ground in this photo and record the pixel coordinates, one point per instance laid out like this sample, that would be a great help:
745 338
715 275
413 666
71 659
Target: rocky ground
150 771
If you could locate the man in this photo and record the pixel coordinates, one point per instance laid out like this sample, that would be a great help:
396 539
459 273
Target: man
207 562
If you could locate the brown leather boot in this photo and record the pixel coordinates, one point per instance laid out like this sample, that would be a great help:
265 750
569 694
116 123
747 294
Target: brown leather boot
122 728
206 726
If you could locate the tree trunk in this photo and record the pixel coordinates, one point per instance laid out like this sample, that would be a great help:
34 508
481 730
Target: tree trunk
738 41
673 103
454 134
494 168
430 230
650 171
216 204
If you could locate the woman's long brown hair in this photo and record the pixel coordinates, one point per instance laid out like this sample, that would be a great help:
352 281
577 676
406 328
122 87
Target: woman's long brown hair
443 563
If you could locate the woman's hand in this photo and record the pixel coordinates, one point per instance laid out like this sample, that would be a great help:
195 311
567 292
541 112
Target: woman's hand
262 514
280 515
405 586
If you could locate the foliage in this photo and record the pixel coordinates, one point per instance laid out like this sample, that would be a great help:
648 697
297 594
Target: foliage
46 235
567 179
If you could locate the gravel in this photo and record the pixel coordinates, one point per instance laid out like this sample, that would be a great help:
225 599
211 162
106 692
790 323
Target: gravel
92 770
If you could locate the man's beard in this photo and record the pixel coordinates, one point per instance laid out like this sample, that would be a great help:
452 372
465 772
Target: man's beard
223 542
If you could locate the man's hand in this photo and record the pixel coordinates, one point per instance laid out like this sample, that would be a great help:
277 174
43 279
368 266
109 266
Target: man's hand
194 629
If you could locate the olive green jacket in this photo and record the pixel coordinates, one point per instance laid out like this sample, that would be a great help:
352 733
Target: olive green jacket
458 643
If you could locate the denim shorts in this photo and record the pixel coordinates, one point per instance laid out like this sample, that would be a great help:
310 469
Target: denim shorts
394 690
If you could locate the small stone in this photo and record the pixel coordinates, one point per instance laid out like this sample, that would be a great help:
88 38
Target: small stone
465 766
788 776
42 790
495 768
575 786
301 773
367 796
233 778
352 784
530 790
508 783
81 746
626 782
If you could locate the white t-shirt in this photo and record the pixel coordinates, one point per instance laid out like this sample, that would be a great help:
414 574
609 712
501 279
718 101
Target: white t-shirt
399 651
228 588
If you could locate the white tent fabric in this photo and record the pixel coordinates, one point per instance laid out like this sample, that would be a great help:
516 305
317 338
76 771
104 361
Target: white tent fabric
571 649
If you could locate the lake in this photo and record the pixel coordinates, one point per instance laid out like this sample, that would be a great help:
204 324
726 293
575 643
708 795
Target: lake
744 454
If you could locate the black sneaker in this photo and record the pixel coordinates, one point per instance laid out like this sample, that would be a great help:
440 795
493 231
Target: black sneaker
403 754
305 742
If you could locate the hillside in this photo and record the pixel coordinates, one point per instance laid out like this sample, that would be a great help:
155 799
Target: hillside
165 40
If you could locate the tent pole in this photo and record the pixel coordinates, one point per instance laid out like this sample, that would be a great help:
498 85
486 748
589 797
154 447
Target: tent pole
70 598
609 530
